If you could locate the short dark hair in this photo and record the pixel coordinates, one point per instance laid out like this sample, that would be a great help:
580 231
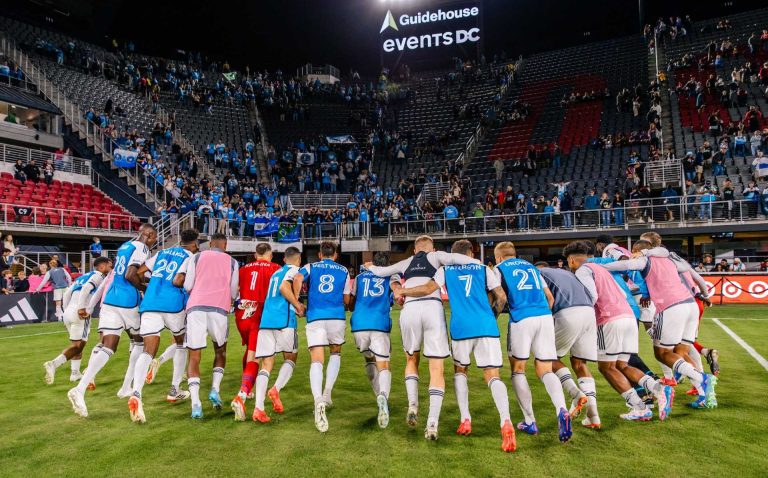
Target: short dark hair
327 248
101 260
262 248
542 264
5 249
381 259
218 237
604 238
189 236
577 247
291 252
462 246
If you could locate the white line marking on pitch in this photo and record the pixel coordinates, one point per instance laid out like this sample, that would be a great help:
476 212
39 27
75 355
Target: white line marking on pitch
736 318
33 335
743 344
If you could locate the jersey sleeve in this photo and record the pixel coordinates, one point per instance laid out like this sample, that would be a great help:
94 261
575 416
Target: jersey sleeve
353 287
636 264
150 263
450 259
305 271
290 274
140 255
492 281
189 279
387 271
439 277
586 277
234 283
347 284
395 279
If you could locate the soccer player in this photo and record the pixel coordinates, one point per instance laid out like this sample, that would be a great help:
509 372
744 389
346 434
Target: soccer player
211 278
327 295
61 280
371 323
254 283
531 330
277 334
168 354
163 308
422 322
575 333
616 335
474 331
76 320
119 312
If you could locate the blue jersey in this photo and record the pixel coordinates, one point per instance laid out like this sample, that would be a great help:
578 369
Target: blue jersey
637 278
278 313
467 287
373 297
122 293
327 282
161 295
80 281
619 278
525 289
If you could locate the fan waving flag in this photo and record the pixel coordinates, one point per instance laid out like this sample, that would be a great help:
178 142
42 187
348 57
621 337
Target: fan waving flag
125 158
288 233
265 226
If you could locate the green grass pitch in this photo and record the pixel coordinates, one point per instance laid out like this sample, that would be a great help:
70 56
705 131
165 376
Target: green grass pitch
41 436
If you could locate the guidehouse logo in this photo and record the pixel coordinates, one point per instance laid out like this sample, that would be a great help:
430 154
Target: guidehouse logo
432 39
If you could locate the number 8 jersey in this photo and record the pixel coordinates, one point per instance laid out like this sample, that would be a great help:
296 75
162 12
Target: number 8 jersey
161 295
524 287
327 282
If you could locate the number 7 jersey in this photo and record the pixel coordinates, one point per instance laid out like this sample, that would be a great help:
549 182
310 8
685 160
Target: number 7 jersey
524 287
161 295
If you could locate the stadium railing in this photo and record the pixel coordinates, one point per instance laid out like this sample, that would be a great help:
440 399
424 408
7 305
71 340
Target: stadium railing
47 219
61 162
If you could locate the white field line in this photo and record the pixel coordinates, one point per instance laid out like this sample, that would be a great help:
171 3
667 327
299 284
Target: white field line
759 358
737 318
33 335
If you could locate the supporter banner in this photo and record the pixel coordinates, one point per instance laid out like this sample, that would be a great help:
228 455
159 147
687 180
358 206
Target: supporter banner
341 139
27 308
265 226
738 289
125 158
288 233
306 159
231 76
22 210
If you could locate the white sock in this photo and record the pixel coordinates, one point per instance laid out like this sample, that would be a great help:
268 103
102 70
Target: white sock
262 380
435 403
633 399
524 397
99 357
371 371
179 365
286 370
555 391
462 395
140 372
696 357
168 353
59 311
75 365
500 398
218 375
316 380
385 382
193 383
136 351
587 385
412 390
331 372
566 380
666 371
684 368
650 384
59 361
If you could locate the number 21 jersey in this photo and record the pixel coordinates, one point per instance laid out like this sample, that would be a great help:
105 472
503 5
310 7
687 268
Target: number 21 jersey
523 285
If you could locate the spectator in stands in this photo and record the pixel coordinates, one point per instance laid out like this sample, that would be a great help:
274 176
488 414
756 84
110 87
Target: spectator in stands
11 246
618 208
96 248
32 171
705 207
6 286
11 117
21 284
756 142
724 266
48 173
738 266
764 266
498 165
751 194
700 268
19 172
759 165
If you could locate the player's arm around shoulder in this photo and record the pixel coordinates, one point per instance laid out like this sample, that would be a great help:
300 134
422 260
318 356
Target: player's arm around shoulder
497 297
451 259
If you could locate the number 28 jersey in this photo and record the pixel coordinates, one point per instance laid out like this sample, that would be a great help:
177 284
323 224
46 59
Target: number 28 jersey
524 287
161 295
122 293
373 298
327 282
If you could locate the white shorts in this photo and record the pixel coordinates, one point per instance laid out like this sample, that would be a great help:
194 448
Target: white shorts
275 341
676 325
617 340
201 324
113 320
58 294
646 313
152 323
576 333
322 333
373 343
534 334
77 328
487 352
423 322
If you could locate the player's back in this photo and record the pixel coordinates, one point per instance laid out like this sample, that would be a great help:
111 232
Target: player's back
121 293
523 285
471 314
161 295
278 312
664 284
566 289
214 271
327 282
612 302
372 303
255 280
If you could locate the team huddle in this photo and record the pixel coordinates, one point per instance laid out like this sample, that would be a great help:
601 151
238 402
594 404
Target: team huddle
590 313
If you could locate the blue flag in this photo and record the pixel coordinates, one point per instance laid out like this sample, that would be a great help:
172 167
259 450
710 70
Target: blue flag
265 227
125 158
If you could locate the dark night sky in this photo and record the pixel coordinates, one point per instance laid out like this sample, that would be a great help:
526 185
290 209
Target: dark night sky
344 33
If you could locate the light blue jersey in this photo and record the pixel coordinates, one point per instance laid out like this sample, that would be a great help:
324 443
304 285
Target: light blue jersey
278 313
122 293
373 298
161 295
619 278
525 289
467 287
80 281
327 282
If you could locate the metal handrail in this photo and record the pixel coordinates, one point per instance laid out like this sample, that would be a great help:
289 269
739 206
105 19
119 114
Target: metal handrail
63 163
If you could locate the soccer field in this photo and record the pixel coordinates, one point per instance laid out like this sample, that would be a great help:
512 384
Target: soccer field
43 437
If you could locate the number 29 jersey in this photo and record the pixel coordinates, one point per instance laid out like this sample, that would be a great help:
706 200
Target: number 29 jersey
327 282
524 287
373 298
161 295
